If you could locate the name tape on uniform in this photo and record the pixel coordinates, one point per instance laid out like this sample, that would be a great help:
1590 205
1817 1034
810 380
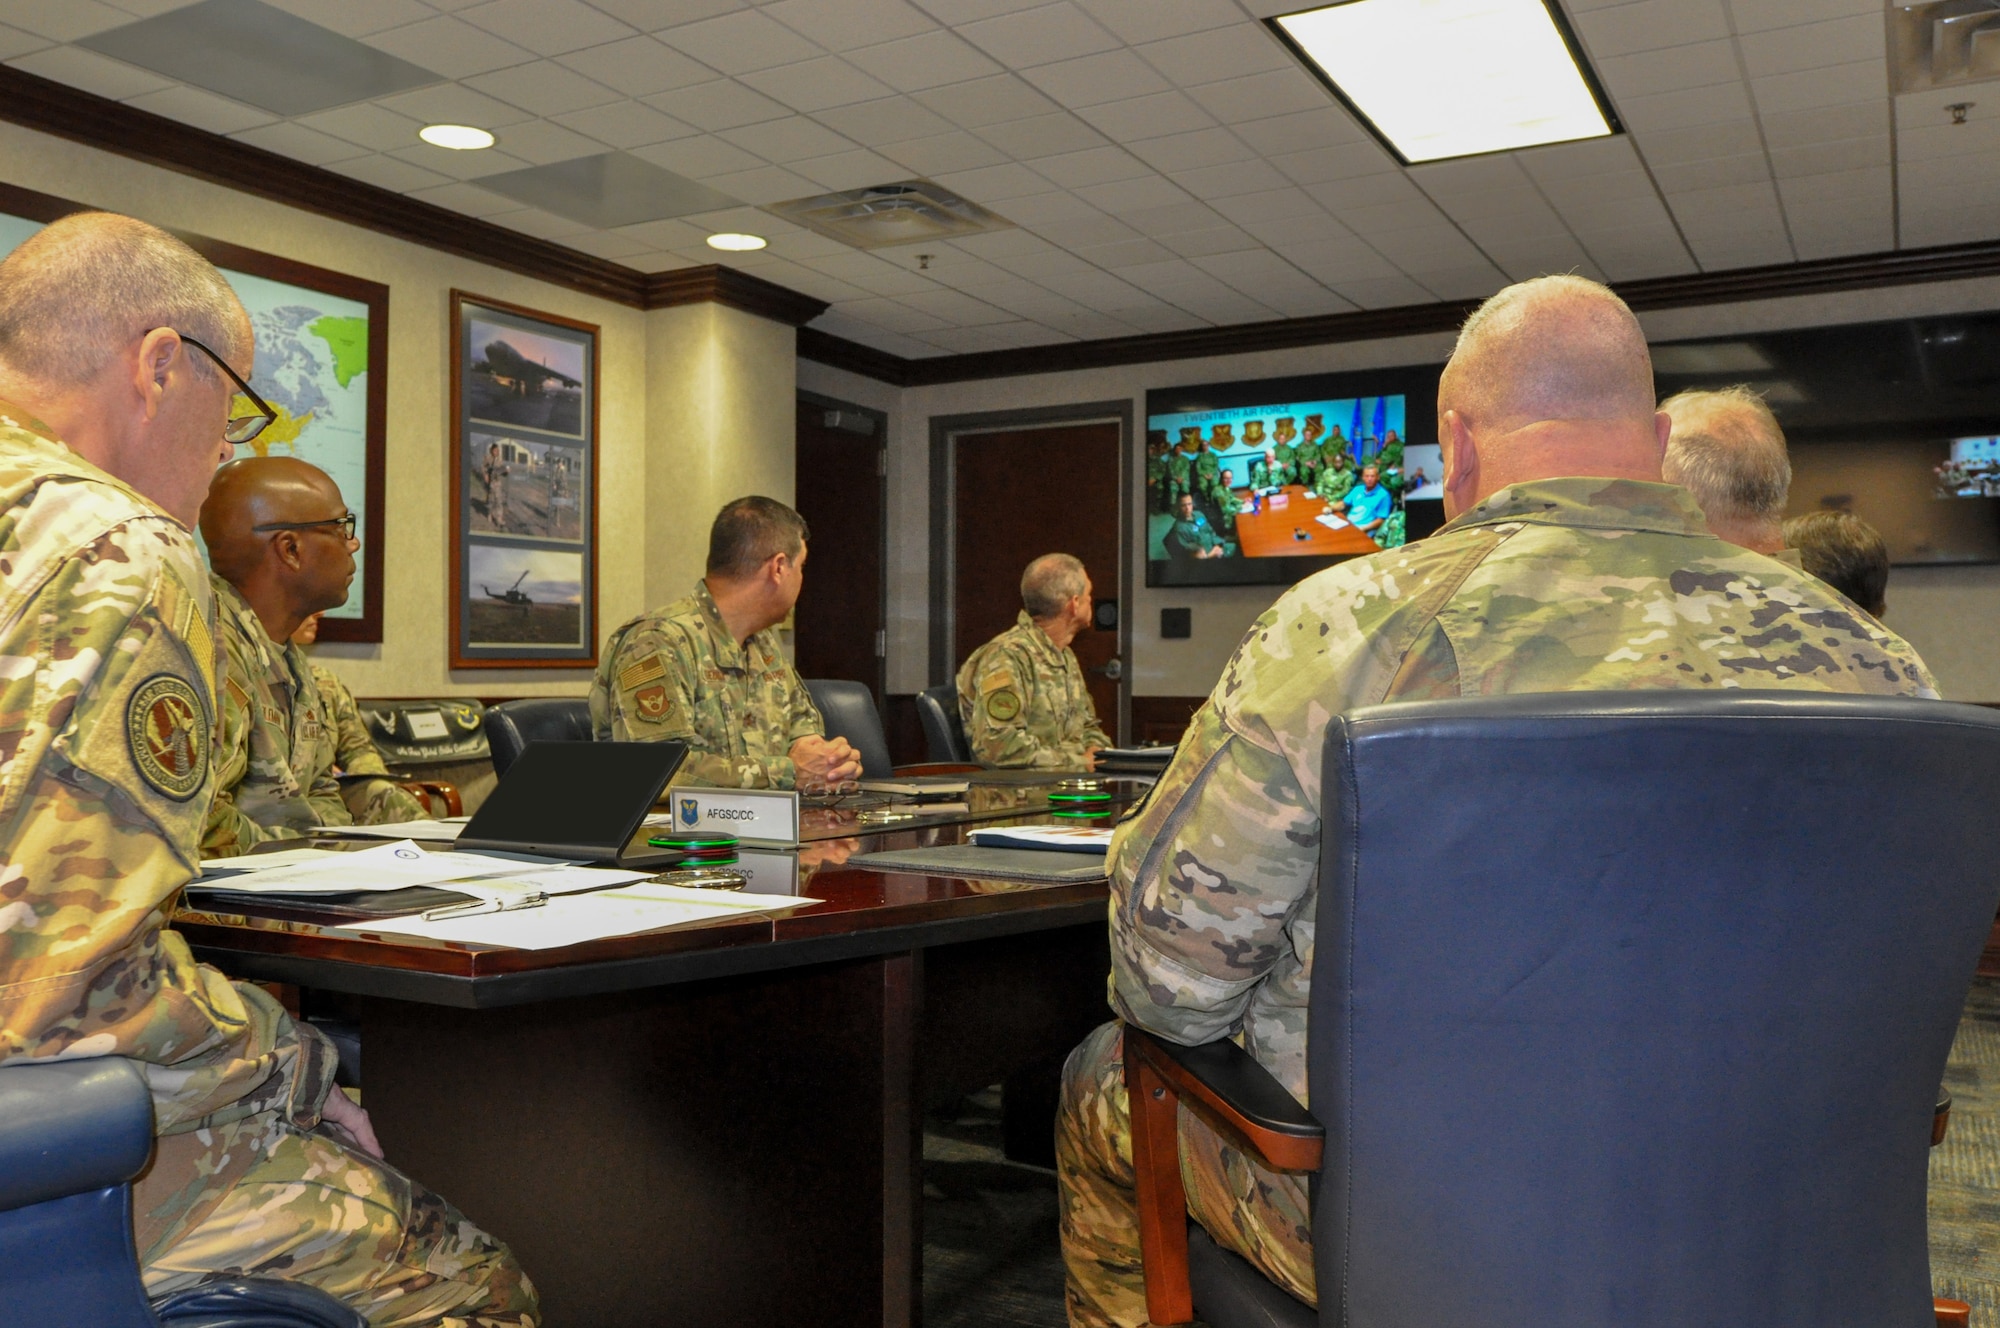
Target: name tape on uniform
765 816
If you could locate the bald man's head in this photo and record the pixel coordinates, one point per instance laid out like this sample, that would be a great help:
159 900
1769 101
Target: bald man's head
1552 349
1550 378
272 526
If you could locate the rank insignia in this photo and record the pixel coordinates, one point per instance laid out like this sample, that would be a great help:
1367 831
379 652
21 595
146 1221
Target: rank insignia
169 741
652 701
1002 706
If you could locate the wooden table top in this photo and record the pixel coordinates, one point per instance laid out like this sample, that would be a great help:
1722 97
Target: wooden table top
1275 532
861 912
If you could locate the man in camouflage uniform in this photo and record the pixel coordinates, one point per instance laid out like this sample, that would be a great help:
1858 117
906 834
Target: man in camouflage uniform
495 474
1180 466
1157 499
1336 477
1270 472
1222 501
708 669
372 795
278 540
1021 696
1567 566
111 427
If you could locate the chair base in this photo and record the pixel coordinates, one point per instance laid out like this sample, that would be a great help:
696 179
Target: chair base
1229 1291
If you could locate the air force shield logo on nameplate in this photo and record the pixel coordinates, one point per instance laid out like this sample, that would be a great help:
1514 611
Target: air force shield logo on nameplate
690 813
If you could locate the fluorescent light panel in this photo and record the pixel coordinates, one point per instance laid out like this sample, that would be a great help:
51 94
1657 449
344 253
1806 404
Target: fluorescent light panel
1451 78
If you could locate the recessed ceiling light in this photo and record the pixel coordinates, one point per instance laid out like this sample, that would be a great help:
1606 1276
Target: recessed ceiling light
1452 78
736 243
459 138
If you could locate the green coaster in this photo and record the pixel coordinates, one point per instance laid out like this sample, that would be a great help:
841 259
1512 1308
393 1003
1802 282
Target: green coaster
693 843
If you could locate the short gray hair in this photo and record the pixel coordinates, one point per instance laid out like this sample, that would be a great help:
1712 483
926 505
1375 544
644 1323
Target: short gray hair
1561 347
78 291
1051 581
1729 452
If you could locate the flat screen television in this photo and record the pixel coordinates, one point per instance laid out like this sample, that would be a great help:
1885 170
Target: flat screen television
1271 483
1897 422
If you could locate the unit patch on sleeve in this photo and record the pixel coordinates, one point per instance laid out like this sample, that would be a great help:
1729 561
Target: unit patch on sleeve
169 739
641 671
653 702
1002 705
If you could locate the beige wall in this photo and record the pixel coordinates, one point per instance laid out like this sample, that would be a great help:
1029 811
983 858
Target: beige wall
1951 614
722 410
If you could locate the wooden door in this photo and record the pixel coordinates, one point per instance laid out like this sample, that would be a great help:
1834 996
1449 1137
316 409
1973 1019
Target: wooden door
1021 494
839 615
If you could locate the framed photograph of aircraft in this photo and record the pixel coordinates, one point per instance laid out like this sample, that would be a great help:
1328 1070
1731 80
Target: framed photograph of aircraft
524 487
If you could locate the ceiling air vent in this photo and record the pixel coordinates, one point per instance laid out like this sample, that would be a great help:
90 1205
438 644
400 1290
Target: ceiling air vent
1937 45
881 215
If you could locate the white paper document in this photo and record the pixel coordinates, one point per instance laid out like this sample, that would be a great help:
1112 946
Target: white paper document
390 867
574 919
431 832
1332 522
263 862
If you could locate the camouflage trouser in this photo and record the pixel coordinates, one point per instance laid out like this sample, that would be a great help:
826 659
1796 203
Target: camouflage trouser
1261 1215
261 1198
377 801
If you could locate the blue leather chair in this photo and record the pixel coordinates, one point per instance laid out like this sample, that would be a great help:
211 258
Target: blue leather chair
73 1134
512 725
944 732
1627 1008
849 711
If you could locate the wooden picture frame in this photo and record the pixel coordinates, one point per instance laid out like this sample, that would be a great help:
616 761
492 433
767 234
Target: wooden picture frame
524 460
366 624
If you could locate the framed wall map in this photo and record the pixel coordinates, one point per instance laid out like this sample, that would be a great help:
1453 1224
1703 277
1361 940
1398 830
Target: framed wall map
322 359
524 487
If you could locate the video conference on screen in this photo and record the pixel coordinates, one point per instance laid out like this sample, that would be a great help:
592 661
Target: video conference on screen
1286 479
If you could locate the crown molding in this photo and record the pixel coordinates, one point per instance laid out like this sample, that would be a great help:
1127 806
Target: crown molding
717 284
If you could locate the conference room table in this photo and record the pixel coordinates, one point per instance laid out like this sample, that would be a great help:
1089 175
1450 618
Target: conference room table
717 1123
1292 529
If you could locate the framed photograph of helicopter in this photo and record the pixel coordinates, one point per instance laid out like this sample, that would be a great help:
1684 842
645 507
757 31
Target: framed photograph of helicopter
524 487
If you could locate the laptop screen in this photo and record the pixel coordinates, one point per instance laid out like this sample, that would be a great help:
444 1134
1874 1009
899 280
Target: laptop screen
585 793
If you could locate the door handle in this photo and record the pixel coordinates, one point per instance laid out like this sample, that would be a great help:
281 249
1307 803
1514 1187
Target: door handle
1113 668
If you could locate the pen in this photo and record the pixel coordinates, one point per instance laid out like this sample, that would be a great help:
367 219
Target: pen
474 907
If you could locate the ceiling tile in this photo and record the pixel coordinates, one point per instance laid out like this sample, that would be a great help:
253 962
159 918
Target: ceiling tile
368 125
1094 79
1204 147
469 199
1042 136
1843 155
739 42
992 185
1384 292
1213 240
854 169
1124 254
462 165
14 42
1039 36
544 141
65 20
764 185
1826 124
1670 69
1303 131
1870 182
1686 109
534 221
1093 166
350 18
606 244
546 27
91 72
986 101
852 24
699 158
939 154
638 66
1713 173
303 144
1815 45
1758 15
651 15
1270 204
1726 139
1119 197
203 110
1862 82
1205 57
1148 117
449 46
724 104
544 87
1236 177
790 139
1261 96
1651 25
816 85
928 60
388 173
625 124
888 120
454 103
1138 23
1324 165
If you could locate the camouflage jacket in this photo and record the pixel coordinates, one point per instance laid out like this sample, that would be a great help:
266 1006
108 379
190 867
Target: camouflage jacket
1024 703
678 673
107 704
1560 585
371 793
274 756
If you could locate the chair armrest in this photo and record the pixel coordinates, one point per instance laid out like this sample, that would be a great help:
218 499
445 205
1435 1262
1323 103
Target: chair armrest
69 1127
1232 1092
1951 1313
1941 1116
1226 1086
443 790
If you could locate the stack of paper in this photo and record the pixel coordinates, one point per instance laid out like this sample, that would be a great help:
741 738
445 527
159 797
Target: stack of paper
431 832
574 919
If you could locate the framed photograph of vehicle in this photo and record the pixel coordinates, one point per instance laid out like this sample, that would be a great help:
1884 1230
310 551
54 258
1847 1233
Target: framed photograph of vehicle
524 487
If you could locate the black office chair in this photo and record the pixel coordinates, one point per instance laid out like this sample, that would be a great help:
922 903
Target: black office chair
944 733
512 725
849 711
1628 1008
73 1134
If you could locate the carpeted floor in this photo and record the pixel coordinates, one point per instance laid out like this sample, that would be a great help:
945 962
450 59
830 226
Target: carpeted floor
1965 1168
991 1258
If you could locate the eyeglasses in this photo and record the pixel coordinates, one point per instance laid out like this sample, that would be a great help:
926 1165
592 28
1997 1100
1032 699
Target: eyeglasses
241 428
346 524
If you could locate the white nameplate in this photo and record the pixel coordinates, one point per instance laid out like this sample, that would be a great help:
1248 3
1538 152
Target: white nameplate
755 816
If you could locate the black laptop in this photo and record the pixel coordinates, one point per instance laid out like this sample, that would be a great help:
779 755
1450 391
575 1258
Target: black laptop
584 801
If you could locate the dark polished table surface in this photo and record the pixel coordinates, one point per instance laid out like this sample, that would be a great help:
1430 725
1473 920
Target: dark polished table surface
717 1124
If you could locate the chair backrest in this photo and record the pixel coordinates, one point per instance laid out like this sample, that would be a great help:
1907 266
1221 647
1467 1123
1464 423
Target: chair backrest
849 711
944 732
72 1134
1632 1007
512 725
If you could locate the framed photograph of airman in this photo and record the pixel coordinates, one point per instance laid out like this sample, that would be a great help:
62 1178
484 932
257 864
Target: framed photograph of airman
524 487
